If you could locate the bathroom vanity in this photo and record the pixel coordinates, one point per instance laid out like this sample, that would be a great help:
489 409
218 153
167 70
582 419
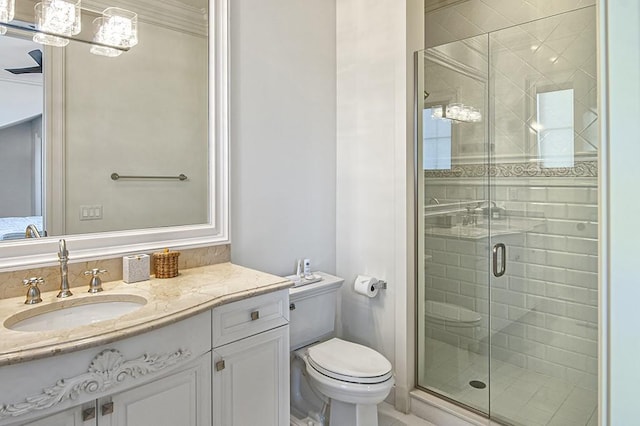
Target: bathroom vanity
209 347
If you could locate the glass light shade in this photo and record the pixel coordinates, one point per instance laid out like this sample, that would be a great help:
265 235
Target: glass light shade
101 36
475 116
7 10
58 17
50 40
119 27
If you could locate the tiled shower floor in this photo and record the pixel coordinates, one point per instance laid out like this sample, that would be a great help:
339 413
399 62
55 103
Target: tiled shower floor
518 396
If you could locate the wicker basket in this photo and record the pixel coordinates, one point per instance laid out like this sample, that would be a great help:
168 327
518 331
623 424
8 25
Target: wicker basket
165 265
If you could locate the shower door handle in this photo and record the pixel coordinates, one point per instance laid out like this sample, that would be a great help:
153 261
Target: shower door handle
500 247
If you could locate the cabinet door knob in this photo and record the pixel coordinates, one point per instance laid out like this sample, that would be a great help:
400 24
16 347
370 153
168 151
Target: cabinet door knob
292 306
107 408
88 414
255 315
220 365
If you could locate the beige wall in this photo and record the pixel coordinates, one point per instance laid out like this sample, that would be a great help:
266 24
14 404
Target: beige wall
283 134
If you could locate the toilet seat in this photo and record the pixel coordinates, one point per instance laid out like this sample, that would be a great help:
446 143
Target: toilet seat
451 315
349 362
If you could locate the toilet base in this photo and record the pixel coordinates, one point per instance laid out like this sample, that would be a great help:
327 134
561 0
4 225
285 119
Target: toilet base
343 413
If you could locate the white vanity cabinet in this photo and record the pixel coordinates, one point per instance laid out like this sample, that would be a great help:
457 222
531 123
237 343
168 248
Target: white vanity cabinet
181 398
70 417
251 362
228 366
156 374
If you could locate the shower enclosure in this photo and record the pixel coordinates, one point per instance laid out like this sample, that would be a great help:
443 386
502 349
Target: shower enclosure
507 221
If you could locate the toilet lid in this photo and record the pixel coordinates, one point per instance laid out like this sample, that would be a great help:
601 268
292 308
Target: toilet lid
349 362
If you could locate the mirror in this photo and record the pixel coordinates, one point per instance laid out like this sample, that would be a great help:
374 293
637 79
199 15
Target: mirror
143 114
186 20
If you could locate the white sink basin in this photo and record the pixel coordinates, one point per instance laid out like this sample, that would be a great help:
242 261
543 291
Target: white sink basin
73 313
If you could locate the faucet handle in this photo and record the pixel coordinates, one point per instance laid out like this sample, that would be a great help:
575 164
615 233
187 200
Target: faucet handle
33 292
95 285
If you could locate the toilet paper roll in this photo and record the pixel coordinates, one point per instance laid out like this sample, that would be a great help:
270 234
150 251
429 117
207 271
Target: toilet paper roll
364 285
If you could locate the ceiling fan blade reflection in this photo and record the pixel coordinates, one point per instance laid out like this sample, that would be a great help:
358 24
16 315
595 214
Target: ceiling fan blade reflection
30 70
36 54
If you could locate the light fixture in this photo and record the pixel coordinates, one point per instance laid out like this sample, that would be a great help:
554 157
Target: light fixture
6 13
118 28
57 21
101 37
57 17
457 112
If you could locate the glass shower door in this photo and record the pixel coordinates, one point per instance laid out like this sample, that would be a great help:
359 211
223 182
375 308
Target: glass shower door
507 246
453 291
543 191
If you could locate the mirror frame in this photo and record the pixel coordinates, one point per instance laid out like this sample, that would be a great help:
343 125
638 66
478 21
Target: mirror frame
29 253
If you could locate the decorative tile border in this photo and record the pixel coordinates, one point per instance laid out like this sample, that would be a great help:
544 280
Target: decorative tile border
580 169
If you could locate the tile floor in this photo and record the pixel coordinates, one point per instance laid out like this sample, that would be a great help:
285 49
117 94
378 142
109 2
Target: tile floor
388 416
518 396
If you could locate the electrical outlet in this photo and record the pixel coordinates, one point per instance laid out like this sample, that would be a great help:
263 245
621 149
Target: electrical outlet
92 212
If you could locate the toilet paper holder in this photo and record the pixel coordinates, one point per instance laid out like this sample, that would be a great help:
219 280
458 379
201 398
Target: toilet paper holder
380 285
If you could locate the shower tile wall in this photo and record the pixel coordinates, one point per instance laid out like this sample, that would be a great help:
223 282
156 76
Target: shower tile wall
544 314
474 17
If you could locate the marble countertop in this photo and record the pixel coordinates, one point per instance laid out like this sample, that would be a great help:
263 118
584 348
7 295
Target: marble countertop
168 301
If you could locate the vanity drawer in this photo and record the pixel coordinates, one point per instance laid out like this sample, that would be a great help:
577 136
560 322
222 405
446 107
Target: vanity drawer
254 315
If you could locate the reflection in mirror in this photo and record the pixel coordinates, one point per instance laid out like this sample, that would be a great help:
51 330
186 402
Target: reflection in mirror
533 73
144 113
436 141
20 137
455 80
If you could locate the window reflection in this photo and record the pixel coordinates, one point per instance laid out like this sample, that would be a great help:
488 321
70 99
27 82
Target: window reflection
436 142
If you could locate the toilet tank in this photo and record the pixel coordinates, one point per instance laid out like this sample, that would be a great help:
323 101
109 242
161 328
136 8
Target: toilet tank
312 314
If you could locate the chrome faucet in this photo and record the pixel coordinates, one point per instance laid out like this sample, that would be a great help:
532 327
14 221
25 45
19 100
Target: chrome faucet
32 232
63 257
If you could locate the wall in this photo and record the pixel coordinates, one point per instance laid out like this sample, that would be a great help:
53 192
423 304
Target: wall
283 134
17 168
374 185
620 293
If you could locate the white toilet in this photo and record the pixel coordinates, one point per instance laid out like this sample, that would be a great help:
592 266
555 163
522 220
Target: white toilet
331 377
